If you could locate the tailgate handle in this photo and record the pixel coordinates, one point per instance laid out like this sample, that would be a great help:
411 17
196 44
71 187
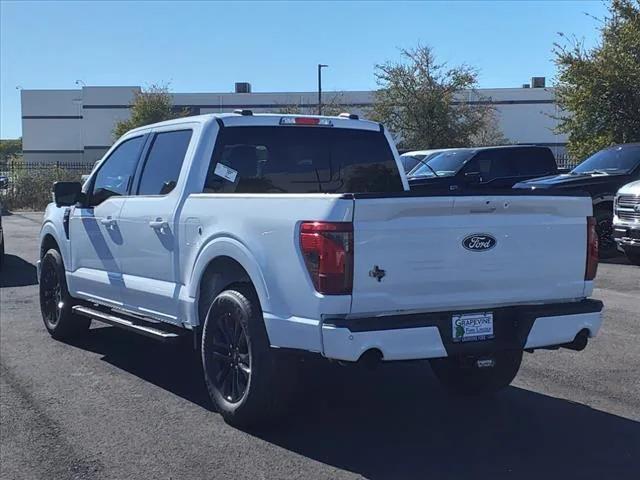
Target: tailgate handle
483 210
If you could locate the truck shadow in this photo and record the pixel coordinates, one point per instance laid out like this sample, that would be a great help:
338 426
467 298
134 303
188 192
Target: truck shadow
396 422
17 272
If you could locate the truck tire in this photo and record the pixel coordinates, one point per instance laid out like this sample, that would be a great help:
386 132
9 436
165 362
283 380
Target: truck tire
56 303
1 250
246 381
633 254
462 376
604 228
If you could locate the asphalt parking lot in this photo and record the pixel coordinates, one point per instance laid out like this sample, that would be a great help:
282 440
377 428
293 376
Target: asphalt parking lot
115 405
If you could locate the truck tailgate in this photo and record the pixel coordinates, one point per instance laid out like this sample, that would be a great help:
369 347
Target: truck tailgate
420 254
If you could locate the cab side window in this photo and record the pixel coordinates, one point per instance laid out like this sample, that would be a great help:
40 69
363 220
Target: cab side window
493 164
164 162
117 171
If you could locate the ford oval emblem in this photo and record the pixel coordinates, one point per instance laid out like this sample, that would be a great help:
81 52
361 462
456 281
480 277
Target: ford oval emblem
479 242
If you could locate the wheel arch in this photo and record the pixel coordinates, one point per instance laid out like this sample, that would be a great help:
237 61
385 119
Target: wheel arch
48 242
50 238
225 262
603 201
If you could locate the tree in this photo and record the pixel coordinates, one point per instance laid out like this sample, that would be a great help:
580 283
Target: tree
421 101
154 104
599 88
489 134
10 148
331 106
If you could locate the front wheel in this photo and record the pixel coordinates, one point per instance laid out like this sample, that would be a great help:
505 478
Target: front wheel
604 228
463 376
55 302
245 380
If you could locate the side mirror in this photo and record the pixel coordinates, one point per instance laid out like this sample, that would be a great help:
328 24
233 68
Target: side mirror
4 181
66 194
473 177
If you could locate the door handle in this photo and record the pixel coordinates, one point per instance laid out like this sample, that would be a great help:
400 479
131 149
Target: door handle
159 224
108 222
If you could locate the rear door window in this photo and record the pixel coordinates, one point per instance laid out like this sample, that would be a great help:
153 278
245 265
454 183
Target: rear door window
164 162
302 160
493 164
534 161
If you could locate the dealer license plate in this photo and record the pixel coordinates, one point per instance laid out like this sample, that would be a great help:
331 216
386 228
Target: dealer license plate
472 327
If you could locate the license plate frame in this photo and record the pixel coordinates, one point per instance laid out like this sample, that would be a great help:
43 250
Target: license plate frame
472 327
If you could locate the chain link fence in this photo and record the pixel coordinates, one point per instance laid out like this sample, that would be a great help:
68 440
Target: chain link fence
31 183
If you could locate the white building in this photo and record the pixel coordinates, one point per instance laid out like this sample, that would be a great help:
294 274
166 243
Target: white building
77 125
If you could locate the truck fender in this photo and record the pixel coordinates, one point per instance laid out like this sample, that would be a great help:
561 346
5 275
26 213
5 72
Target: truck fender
234 249
53 226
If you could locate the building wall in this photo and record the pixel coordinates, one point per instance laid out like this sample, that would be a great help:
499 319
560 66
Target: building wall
77 125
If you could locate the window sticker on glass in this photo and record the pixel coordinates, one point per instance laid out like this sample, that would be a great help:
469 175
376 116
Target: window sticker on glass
225 172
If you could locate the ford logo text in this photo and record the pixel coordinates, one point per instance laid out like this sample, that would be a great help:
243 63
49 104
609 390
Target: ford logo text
479 242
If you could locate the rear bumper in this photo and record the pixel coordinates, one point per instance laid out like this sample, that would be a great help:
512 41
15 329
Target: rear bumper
421 336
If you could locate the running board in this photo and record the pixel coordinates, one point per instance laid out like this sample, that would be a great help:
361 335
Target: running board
133 324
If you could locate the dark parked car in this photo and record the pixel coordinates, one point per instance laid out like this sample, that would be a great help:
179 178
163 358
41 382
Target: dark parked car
4 181
411 160
482 168
601 175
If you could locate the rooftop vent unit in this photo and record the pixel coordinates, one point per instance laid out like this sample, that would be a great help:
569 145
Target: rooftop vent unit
538 82
243 87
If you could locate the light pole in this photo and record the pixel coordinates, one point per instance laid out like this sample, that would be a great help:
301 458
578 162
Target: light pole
320 67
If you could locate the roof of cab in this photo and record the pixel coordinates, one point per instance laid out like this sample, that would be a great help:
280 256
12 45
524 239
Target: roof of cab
258 119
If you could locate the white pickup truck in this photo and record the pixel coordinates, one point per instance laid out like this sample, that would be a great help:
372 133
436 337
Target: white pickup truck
262 237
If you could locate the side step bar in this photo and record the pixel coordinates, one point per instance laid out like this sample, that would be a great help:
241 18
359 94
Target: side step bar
127 324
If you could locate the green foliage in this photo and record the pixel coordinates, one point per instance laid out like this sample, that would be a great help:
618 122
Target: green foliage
10 149
419 100
30 187
599 88
489 134
152 105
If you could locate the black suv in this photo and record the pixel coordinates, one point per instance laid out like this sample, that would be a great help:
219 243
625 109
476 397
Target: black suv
481 168
601 175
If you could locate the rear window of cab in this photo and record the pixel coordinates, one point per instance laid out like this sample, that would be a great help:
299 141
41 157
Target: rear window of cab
301 159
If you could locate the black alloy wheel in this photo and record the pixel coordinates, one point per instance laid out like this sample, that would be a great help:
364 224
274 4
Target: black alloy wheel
231 358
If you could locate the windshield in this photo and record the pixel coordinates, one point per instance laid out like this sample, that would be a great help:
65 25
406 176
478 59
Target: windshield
444 164
409 162
615 160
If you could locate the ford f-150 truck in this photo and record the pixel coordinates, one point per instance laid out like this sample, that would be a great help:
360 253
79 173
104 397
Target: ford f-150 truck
266 237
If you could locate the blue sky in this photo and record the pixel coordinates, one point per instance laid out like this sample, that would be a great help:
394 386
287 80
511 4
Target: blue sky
207 46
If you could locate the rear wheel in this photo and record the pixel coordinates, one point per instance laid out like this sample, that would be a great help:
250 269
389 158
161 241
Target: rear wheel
55 302
462 376
246 381
633 254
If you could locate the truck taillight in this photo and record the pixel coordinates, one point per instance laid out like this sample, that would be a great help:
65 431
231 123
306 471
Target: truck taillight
592 249
327 248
